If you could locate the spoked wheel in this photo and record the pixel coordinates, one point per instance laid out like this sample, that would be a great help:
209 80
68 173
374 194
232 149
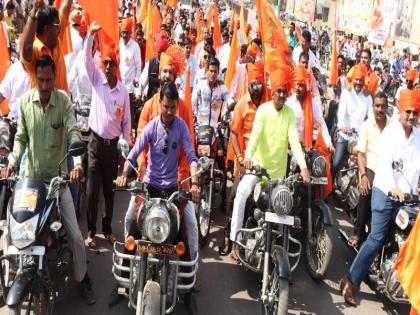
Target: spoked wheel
37 303
318 246
278 295
203 212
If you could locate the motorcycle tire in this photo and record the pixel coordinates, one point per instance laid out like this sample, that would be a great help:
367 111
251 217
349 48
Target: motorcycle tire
318 269
3 201
281 286
38 302
150 299
203 221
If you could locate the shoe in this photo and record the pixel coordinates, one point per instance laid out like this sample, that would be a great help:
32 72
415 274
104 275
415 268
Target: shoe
346 289
87 292
115 297
190 304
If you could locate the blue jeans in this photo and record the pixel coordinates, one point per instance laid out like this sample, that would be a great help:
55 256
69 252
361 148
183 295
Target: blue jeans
382 209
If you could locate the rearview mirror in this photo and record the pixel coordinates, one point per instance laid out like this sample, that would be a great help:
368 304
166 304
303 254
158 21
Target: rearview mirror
123 148
77 148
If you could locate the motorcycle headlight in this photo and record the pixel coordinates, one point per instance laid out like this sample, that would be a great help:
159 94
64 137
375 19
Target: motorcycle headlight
351 146
318 166
157 225
22 234
402 219
83 123
257 192
281 200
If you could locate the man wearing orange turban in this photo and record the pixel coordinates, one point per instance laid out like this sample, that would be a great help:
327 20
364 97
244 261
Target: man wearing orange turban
354 108
241 128
399 145
411 79
130 62
273 120
371 83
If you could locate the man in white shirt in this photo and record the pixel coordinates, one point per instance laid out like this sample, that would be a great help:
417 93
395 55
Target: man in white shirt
192 63
16 83
354 108
130 63
305 45
224 52
368 148
397 174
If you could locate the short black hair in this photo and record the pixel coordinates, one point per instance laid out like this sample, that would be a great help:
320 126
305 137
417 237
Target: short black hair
341 56
307 36
293 24
212 61
210 50
257 41
350 63
170 91
43 62
10 5
46 16
304 54
209 40
367 51
381 94
244 48
187 41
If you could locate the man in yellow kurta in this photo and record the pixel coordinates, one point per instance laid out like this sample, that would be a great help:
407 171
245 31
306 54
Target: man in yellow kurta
274 129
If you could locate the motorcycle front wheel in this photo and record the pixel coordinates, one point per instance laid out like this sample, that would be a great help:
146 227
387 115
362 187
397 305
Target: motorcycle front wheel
150 299
318 246
203 215
37 303
278 290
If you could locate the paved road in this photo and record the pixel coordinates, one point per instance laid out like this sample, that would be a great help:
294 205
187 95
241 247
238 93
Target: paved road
229 289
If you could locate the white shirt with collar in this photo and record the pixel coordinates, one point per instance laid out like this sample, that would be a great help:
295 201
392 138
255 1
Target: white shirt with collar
353 109
223 56
130 63
15 83
313 61
294 104
396 147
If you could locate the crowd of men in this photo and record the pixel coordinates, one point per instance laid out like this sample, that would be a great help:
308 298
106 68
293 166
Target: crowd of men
152 105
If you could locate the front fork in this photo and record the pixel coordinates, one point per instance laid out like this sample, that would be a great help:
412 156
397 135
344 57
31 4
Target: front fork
266 269
142 281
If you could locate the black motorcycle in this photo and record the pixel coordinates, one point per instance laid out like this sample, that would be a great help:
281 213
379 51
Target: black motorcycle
39 257
264 240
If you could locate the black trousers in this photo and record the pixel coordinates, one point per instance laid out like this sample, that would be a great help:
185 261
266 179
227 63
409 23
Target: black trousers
363 208
102 169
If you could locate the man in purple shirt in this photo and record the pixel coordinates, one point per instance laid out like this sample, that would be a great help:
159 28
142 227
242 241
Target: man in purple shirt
109 119
165 134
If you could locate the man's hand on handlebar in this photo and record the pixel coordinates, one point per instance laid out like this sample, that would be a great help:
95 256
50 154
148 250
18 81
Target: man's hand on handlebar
247 163
195 192
397 194
121 181
305 176
76 174
7 171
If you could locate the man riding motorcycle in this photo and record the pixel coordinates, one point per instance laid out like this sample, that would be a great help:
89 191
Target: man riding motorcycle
273 121
165 134
397 174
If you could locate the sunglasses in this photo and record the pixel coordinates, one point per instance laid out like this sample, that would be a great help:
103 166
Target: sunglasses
410 111
256 85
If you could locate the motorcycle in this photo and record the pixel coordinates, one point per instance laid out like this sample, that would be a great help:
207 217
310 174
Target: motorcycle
40 258
314 214
7 136
264 240
346 180
211 144
156 270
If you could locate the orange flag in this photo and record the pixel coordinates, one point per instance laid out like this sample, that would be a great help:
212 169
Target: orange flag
150 42
217 34
242 21
57 4
105 14
4 65
322 148
156 20
199 26
233 56
334 62
407 266
143 11
172 4
210 15
67 46
187 94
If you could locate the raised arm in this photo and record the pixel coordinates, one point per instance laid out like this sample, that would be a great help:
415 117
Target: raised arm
29 31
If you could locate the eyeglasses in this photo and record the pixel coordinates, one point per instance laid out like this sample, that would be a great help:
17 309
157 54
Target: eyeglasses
256 85
410 111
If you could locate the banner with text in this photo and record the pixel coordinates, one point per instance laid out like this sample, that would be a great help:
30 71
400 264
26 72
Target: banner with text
382 22
353 16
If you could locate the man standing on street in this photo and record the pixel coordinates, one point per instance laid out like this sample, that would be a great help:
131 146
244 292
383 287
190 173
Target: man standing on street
109 118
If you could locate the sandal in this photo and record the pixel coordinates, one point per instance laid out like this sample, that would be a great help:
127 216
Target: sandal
92 242
346 290
111 238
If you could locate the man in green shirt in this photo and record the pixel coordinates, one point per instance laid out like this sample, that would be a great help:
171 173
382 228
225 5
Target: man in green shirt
46 120
273 130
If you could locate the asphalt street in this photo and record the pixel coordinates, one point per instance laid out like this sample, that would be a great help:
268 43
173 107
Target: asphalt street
227 288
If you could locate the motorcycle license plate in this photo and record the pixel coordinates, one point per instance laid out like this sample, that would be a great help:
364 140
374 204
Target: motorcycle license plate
32 250
279 219
161 249
319 180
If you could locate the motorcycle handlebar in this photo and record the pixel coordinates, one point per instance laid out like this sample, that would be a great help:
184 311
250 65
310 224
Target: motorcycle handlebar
133 187
408 198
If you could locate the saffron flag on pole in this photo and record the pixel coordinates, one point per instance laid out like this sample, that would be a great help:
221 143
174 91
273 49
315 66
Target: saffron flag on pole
150 41
334 62
217 34
233 56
